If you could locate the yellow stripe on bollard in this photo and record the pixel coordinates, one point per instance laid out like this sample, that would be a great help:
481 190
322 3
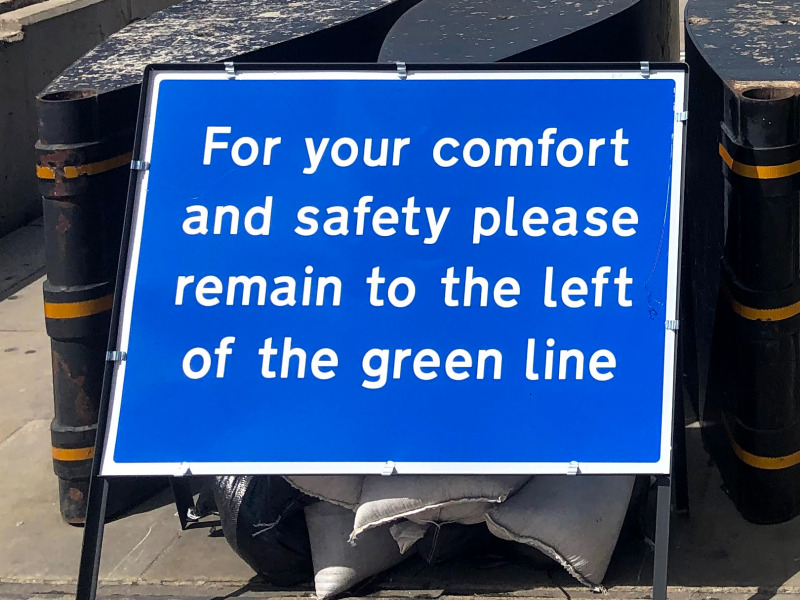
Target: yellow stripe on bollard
759 171
766 463
73 172
76 310
73 454
765 314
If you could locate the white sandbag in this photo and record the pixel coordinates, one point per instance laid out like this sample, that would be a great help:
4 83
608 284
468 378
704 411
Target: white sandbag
406 534
574 520
342 490
468 512
431 498
339 565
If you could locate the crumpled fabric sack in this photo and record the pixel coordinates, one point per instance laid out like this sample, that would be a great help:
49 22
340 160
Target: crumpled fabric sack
436 543
263 521
431 498
338 564
574 520
408 533
342 490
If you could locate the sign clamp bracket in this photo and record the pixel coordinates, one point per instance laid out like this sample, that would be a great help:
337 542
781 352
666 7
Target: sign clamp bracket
402 71
116 356
644 68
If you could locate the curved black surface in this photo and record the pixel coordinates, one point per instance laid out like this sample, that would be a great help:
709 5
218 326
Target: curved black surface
248 30
729 44
747 41
540 30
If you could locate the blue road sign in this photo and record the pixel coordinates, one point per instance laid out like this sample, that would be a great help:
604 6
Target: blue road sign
459 271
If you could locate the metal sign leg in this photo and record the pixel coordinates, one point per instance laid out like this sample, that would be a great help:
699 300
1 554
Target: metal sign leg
663 502
92 539
680 466
184 501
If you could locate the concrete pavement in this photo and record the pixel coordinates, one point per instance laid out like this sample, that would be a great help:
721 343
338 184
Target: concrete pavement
715 553
36 546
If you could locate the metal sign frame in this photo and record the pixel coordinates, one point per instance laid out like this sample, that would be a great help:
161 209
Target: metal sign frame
129 266
103 470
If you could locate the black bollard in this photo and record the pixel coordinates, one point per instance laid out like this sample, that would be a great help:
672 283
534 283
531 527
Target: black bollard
760 142
87 118
741 246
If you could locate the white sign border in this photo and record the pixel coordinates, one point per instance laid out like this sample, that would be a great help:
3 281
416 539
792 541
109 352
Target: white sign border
109 467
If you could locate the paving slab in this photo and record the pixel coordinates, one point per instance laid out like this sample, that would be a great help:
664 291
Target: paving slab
23 310
716 547
25 376
39 547
21 258
199 555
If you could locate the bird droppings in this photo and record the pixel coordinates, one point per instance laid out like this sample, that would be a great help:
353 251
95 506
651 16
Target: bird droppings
452 32
748 40
204 31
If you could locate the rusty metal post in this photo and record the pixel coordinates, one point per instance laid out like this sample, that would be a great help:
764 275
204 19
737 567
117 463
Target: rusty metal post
79 174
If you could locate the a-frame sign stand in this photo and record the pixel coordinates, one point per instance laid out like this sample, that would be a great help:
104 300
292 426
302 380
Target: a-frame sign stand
99 485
